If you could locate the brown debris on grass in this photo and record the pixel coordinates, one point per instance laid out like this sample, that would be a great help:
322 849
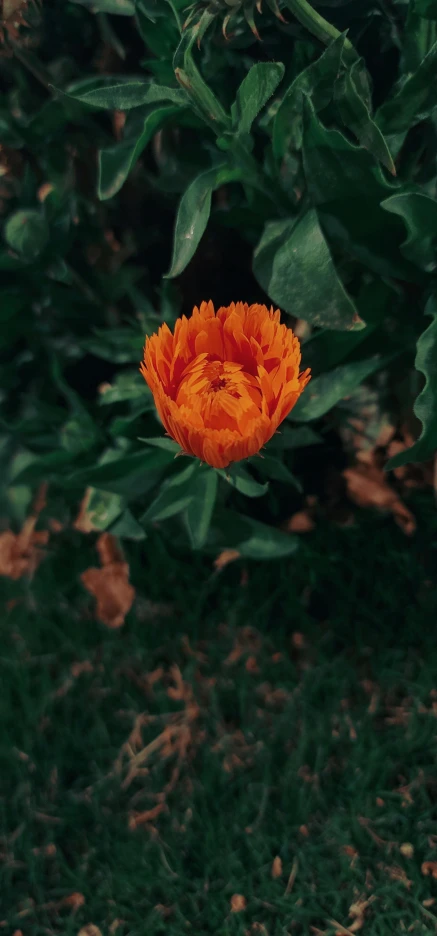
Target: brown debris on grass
110 585
21 553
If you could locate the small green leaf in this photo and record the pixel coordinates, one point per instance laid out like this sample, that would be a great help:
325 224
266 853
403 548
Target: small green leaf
27 233
126 527
413 101
254 92
130 475
193 214
328 389
317 81
128 385
189 77
425 406
419 212
174 497
293 265
167 445
197 517
287 438
116 162
356 115
103 508
252 539
271 467
239 478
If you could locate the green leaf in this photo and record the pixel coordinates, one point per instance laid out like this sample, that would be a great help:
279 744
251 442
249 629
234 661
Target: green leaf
425 407
161 442
254 92
174 497
328 389
356 115
419 213
78 435
252 539
130 475
334 166
413 101
197 517
117 7
120 95
287 438
193 214
189 77
117 345
355 224
426 8
239 478
116 162
128 385
317 81
271 467
293 265
126 527
27 233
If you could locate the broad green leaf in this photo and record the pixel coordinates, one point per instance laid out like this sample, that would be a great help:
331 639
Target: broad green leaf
190 79
252 539
174 497
117 345
197 517
356 115
293 265
317 81
126 527
122 93
117 7
270 467
116 162
129 475
161 442
287 438
27 233
193 214
128 385
414 100
419 212
357 224
239 478
425 406
78 435
328 389
254 92
334 166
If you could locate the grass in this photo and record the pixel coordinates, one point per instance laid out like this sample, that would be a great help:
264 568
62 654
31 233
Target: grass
298 707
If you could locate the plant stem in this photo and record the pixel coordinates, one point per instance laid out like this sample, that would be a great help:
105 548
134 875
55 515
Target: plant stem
319 27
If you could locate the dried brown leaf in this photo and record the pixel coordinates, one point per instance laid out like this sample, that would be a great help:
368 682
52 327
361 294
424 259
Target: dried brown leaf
238 903
367 486
301 522
225 557
277 867
110 585
89 930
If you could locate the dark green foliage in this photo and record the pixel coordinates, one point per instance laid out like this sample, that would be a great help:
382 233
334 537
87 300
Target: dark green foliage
147 166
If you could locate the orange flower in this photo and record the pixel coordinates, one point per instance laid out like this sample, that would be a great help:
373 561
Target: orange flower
223 382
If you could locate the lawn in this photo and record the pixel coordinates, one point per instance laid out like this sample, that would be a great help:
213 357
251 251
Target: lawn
254 752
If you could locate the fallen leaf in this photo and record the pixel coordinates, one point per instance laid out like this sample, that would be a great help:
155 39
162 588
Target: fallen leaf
19 552
367 486
225 557
83 522
406 849
44 190
89 930
277 867
429 868
238 903
301 522
110 585
75 901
